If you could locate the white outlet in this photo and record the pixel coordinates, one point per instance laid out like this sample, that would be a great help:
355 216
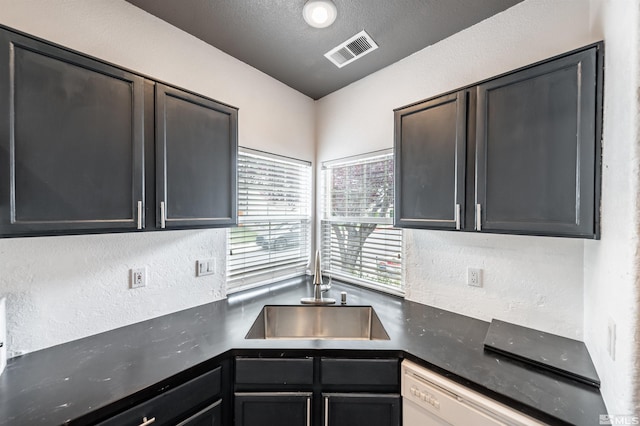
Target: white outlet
138 277
474 277
611 338
205 267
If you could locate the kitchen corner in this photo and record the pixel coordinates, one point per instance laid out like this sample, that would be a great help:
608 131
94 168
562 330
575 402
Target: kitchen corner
86 380
149 178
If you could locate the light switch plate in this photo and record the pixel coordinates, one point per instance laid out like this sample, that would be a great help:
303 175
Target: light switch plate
205 267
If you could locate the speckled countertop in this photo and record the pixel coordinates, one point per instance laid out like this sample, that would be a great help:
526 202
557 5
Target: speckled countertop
74 381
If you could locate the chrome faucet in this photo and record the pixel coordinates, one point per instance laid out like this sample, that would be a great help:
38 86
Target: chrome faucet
317 298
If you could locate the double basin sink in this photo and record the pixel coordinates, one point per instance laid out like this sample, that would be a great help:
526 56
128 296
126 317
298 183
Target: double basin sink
317 322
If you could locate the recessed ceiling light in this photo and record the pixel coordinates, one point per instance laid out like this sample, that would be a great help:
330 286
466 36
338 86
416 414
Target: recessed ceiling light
319 13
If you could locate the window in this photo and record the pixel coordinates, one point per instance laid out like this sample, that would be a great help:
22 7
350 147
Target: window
359 243
272 239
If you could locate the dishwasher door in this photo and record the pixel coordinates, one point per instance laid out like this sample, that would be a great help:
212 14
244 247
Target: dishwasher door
414 415
433 400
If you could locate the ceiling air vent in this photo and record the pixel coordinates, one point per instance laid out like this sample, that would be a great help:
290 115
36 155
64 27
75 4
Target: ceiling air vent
354 48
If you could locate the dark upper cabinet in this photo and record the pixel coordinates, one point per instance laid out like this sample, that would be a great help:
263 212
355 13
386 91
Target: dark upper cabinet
88 147
71 141
532 144
196 149
430 143
536 149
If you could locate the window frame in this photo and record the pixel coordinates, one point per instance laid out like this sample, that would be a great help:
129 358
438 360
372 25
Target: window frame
326 220
258 216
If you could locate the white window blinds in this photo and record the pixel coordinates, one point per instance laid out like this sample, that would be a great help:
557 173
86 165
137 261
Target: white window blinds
272 240
359 243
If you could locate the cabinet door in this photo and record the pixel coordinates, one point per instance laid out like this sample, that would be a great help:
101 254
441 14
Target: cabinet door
370 375
430 143
172 406
537 149
251 373
361 409
277 408
71 141
210 416
196 148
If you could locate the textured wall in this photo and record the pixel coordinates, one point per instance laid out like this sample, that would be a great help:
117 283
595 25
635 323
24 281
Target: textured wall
536 282
612 264
63 288
533 281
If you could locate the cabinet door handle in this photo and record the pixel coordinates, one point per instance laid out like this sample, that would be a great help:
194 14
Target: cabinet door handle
326 411
139 214
308 411
478 217
146 422
163 215
457 214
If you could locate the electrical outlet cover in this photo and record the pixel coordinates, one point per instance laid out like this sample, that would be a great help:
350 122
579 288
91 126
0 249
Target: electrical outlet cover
138 277
474 277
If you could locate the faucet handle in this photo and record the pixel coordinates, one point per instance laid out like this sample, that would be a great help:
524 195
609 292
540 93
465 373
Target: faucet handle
325 287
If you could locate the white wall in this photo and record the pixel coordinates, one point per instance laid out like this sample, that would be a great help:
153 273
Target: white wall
612 264
63 288
533 281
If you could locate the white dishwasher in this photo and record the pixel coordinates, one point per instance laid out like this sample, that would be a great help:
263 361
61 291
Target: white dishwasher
429 399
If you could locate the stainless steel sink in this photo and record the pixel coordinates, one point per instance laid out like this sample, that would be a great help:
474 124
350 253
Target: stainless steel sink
317 322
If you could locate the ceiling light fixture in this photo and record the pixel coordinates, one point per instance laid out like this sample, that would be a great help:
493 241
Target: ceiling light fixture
319 13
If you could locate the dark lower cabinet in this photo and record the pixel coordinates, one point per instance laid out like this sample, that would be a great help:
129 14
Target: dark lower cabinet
209 416
71 141
269 373
273 391
196 402
273 408
360 409
314 391
357 374
196 149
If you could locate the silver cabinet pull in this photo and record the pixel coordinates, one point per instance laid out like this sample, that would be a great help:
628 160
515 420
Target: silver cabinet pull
163 215
146 422
478 217
457 214
308 411
326 411
139 214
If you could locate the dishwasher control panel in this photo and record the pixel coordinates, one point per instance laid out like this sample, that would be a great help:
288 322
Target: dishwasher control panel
431 399
425 396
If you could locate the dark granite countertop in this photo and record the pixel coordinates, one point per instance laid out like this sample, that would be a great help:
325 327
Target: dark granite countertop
74 381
